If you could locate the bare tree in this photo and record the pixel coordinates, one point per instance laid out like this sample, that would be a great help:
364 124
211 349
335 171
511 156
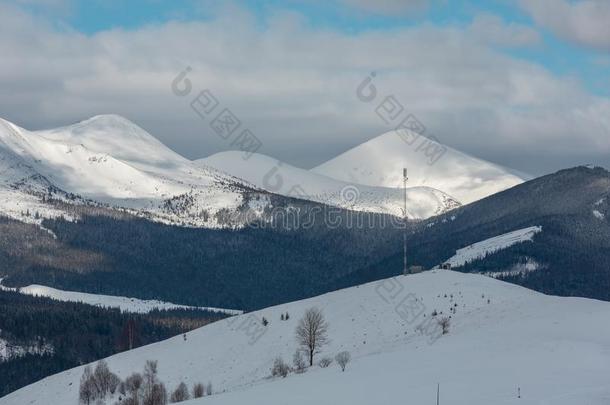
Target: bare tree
198 390
181 393
342 359
444 323
87 388
154 390
133 386
279 369
113 383
298 364
312 332
208 389
325 362
150 377
102 377
158 395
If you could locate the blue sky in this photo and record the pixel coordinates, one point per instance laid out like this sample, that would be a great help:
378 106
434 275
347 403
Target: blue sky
523 83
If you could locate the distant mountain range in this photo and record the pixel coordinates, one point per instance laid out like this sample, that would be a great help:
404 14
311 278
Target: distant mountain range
90 191
108 160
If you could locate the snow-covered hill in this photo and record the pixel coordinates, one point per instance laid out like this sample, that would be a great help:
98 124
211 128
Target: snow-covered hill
502 339
379 163
279 177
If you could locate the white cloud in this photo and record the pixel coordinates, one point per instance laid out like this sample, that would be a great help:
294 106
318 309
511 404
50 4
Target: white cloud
493 30
388 7
584 22
294 87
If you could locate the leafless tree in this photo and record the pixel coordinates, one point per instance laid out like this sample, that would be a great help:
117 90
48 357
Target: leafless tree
312 332
87 388
208 389
342 359
133 385
113 383
198 390
181 393
102 377
158 395
154 390
279 369
444 323
97 384
325 362
298 364
150 376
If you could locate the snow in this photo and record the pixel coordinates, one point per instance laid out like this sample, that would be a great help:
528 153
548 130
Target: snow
488 246
598 215
518 269
10 351
109 160
502 337
126 304
379 163
281 178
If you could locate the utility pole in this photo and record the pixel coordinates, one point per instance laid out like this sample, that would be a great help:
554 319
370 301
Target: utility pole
404 231
438 391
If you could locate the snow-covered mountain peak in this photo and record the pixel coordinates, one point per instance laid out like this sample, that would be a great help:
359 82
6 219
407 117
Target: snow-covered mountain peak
117 136
379 162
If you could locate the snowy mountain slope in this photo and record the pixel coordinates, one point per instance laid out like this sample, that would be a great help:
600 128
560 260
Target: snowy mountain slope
126 304
379 163
279 177
502 337
110 160
488 246
115 135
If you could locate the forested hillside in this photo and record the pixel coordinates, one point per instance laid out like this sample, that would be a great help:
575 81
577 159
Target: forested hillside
40 336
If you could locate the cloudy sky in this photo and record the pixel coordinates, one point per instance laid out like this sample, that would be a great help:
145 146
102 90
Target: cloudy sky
522 83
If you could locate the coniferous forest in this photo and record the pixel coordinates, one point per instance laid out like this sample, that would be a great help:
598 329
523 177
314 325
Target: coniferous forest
43 336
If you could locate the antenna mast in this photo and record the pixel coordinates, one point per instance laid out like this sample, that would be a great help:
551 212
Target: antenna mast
404 231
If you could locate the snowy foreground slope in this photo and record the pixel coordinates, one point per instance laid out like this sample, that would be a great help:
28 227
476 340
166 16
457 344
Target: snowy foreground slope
279 177
379 163
502 338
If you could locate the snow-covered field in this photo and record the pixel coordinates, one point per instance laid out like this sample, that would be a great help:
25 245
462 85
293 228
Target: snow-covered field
488 246
503 338
126 304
